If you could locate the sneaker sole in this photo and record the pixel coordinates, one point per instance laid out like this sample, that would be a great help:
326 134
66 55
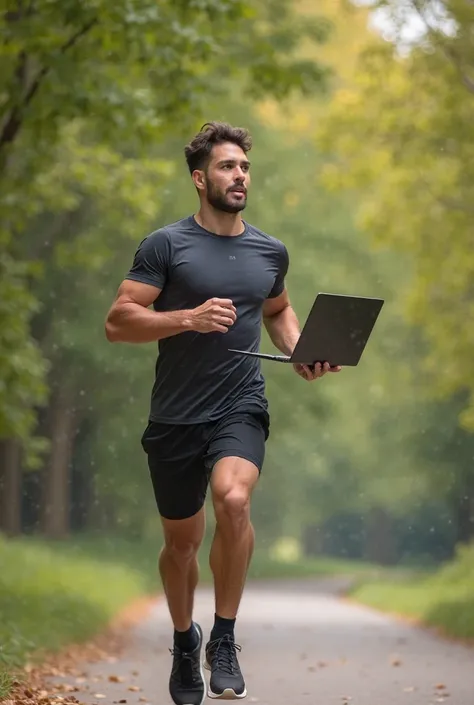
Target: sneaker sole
227 694
201 670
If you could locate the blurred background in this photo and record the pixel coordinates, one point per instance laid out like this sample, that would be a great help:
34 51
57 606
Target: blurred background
363 164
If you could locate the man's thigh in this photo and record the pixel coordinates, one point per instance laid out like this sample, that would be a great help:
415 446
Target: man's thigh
178 472
239 435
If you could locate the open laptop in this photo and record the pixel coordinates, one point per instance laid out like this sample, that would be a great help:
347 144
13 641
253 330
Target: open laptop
337 330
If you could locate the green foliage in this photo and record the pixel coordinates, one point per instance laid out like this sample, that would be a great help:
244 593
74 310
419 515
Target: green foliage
7 681
136 70
443 600
21 364
401 139
103 175
86 90
49 598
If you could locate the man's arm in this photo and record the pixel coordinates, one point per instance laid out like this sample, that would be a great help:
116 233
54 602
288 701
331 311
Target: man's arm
281 322
283 328
130 321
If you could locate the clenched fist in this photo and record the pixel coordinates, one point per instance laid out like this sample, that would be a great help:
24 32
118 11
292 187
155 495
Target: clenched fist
214 315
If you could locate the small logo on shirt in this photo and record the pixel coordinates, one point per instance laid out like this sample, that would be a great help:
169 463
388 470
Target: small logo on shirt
232 257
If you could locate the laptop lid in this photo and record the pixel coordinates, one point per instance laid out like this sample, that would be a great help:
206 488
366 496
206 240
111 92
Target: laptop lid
337 329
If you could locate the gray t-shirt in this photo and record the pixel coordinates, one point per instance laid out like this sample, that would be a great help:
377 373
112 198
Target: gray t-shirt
197 378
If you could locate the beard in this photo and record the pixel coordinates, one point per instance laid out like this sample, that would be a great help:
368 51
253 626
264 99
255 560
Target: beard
224 201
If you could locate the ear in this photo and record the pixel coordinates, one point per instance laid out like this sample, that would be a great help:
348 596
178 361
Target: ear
199 179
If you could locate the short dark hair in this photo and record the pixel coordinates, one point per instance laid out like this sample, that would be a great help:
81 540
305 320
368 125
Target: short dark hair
198 151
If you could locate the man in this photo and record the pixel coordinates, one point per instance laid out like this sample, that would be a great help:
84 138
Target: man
210 277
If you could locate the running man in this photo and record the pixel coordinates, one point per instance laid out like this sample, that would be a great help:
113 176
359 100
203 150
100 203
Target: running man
211 279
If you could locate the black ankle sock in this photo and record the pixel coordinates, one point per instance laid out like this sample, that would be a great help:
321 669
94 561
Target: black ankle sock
222 626
188 640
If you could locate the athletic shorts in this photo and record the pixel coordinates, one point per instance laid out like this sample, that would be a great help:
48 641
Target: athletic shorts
181 457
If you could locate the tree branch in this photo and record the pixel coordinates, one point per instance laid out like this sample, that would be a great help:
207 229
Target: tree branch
14 121
468 82
457 205
447 50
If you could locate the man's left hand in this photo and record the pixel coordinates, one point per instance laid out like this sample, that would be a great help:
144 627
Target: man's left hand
312 373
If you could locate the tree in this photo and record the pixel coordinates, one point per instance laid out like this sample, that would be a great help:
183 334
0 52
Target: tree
135 72
129 75
402 141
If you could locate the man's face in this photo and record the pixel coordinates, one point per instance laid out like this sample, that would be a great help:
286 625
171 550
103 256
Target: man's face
227 178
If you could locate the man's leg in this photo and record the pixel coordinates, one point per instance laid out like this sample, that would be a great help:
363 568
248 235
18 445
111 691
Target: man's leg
179 574
179 568
232 483
236 454
180 481
233 480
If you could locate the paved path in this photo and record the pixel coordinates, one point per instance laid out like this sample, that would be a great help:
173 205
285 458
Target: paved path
301 645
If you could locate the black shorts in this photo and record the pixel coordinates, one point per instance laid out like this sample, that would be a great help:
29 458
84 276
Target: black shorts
181 457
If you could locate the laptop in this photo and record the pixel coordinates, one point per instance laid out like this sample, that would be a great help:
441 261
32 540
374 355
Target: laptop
337 330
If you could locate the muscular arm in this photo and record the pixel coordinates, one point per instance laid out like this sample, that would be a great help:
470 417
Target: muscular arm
129 319
281 322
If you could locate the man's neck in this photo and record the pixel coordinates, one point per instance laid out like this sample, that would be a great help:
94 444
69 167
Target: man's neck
220 223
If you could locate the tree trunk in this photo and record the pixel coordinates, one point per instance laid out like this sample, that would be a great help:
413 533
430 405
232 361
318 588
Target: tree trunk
10 487
380 542
465 519
312 540
56 477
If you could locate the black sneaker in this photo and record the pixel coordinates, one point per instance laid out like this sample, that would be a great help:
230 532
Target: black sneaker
187 679
226 680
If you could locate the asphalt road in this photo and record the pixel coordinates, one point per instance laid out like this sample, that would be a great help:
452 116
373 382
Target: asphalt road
301 645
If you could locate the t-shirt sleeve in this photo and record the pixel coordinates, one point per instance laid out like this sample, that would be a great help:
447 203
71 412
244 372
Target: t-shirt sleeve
283 264
151 260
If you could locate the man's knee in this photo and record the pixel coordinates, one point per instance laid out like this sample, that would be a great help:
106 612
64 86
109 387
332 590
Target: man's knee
232 484
183 538
232 509
233 502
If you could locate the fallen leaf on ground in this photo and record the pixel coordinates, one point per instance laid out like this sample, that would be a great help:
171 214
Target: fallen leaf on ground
134 688
116 679
440 686
99 695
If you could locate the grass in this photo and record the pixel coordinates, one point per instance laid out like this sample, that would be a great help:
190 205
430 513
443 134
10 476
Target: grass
6 683
444 600
50 597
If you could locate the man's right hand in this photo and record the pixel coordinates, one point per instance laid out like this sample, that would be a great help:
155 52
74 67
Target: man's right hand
214 315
